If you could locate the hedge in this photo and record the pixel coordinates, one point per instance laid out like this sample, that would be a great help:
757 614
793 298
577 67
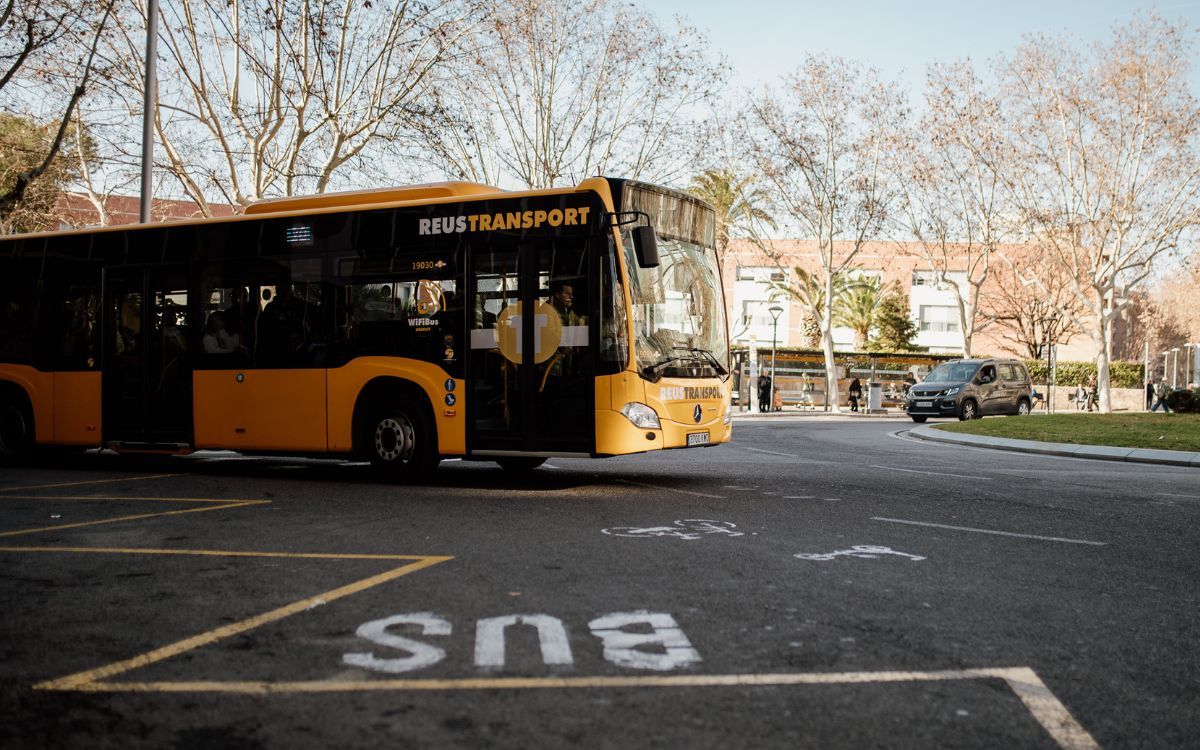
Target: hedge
1121 374
1183 400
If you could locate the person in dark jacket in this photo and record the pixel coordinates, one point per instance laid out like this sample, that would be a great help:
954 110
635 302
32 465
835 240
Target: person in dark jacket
764 391
855 394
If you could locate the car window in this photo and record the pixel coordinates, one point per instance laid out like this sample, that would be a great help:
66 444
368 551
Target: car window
1008 372
952 372
988 372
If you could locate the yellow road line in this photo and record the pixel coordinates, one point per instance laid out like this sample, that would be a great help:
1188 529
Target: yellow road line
60 527
212 553
1024 682
122 498
552 683
82 680
90 481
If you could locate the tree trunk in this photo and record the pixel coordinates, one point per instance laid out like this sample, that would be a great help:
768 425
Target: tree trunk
1103 359
831 379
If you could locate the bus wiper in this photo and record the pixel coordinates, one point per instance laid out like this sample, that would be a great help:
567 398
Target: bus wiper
708 356
654 370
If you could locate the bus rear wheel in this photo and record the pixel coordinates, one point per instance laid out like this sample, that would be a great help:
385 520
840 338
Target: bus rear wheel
401 443
520 464
16 431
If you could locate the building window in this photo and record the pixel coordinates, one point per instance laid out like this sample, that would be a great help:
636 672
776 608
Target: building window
760 273
939 318
924 278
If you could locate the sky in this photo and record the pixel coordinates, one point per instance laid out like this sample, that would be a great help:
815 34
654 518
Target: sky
765 39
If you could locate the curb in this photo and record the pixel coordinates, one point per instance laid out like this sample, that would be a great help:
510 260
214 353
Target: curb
1099 452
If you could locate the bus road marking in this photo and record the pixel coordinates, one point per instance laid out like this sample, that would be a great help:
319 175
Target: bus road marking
140 516
92 680
24 488
670 489
989 531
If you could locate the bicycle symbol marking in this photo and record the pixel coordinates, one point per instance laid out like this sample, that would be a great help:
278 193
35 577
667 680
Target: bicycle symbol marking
864 551
688 529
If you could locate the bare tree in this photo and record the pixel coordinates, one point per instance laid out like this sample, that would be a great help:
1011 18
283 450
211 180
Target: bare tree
1110 171
952 194
277 97
1029 302
821 148
564 89
59 40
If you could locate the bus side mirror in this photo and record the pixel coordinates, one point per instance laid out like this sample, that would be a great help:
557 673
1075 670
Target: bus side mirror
645 244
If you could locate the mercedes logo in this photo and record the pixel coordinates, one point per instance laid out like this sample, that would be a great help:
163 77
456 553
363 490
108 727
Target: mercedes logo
697 413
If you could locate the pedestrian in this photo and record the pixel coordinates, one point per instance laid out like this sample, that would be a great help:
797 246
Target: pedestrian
1161 391
1149 393
855 394
1093 395
1081 396
764 391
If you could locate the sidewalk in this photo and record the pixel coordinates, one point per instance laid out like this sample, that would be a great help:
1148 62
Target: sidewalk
1099 452
793 413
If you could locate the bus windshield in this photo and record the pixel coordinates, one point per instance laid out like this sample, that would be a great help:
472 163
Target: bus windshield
678 307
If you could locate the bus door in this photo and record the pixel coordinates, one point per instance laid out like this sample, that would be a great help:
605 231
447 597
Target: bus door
531 377
147 371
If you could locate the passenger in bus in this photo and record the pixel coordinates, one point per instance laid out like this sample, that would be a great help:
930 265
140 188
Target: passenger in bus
218 339
284 330
562 299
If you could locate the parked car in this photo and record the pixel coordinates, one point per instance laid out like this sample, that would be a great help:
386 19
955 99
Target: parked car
971 388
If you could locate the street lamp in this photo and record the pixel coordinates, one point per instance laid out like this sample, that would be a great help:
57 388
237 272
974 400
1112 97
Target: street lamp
775 311
1047 328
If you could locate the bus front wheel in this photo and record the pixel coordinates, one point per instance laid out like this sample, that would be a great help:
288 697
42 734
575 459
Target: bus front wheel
402 444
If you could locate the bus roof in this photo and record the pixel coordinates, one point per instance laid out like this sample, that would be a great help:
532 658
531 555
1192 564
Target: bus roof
360 198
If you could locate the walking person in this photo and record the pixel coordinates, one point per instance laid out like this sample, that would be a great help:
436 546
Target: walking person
1093 396
1161 391
764 391
1081 397
1149 393
855 394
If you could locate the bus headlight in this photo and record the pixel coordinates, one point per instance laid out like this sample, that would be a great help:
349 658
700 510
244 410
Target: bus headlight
641 415
728 414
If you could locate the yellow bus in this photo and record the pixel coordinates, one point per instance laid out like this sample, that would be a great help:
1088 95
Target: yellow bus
389 325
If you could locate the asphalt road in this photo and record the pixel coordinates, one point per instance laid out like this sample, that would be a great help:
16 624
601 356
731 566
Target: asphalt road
820 583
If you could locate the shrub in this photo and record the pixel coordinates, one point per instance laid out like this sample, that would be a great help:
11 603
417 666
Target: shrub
1071 374
1185 401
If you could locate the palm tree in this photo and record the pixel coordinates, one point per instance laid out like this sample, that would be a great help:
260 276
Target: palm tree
858 309
808 290
736 199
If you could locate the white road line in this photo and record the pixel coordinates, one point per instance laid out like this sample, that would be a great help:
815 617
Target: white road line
1172 494
799 497
670 489
773 453
933 473
989 531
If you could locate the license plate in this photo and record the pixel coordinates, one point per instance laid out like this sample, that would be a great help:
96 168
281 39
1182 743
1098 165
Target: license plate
924 404
697 438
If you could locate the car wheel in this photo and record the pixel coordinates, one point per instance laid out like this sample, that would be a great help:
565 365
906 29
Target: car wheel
1023 408
520 464
968 410
919 420
401 443
16 431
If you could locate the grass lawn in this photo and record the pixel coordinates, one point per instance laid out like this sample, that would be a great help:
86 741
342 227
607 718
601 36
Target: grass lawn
1174 432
